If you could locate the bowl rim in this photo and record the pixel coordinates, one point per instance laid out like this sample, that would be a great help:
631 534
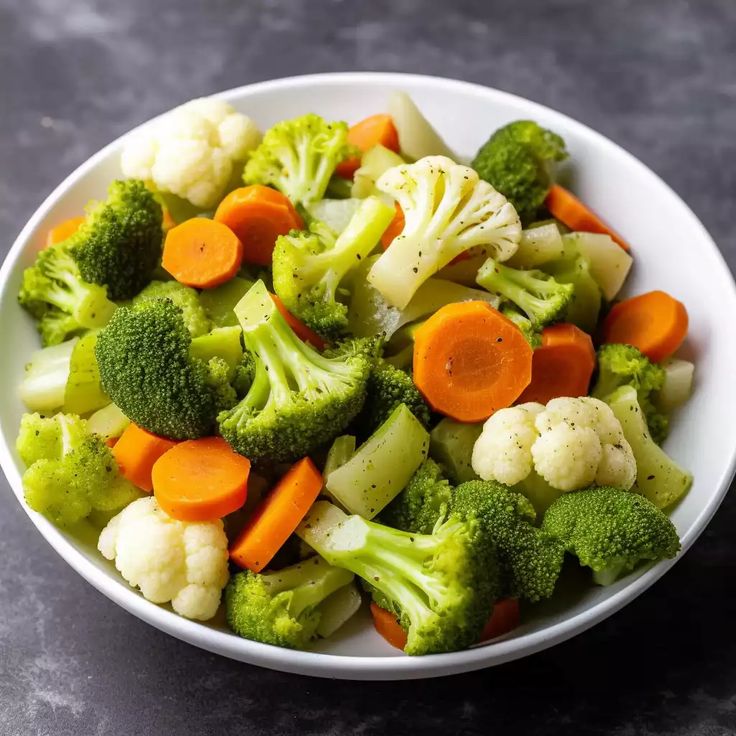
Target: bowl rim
351 666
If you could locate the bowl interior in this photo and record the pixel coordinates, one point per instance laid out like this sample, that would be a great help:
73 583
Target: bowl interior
666 239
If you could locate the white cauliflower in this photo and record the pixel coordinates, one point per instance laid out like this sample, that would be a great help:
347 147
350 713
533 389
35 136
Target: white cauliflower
169 560
572 443
191 151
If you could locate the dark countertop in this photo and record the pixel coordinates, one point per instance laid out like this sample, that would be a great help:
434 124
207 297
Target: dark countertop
657 76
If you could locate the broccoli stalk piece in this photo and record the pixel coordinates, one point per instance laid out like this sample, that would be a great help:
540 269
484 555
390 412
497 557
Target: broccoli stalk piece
70 472
44 384
440 585
283 608
309 270
298 399
184 297
611 530
530 560
517 160
447 211
298 157
624 365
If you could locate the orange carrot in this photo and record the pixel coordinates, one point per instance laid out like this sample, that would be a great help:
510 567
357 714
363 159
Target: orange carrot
654 322
470 360
277 516
168 221
568 209
258 215
111 441
388 626
394 227
372 131
504 618
562 365
136 452
202 253
303 332
63 230
201 480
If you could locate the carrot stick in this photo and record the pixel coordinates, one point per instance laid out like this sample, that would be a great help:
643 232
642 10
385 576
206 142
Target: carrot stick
201 480
372 131
654 322
277 516
301 330
388 626
562 365
136 452
394 228
63 230
504 618
470 360
202 253
258 215
567 208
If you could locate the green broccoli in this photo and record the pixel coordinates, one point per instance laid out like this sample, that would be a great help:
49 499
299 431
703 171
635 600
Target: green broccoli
298 157
147 368
624 365
532 335
441 586
70 472
530 560
299 399
388 387
425 501
517 160
184 297
309 268
282 608
535 293
611 530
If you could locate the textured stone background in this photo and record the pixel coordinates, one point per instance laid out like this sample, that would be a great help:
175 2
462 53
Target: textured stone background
657 76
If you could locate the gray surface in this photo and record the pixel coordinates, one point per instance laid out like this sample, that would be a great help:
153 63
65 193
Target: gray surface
659 77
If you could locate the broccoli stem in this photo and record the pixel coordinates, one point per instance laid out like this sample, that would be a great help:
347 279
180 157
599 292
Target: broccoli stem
44 385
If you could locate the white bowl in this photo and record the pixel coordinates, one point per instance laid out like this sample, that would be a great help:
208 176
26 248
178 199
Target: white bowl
672 251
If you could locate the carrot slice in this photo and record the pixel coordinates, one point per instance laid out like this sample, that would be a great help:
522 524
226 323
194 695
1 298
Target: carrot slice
394 228
304 333
372 131
654 322
277 516
470 361
136 452
202 253
562 365
167 221
388 626
63 230
567 208
201 480
504 618
258 215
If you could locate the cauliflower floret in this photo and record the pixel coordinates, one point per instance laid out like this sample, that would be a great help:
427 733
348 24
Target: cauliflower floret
169 560
572 443
191 151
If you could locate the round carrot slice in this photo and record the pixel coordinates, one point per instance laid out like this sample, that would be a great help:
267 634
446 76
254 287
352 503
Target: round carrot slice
504 618
388 626
63 230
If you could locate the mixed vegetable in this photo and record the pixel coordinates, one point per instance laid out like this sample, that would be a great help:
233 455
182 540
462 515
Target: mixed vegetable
333 364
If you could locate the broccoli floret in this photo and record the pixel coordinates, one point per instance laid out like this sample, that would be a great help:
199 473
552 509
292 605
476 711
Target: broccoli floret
282 608
388 387
184 297
147 370
298 157
425 500
624 365
611 530
299 399
70 472
530 560
309 268
532 335
441 586
244 373
517 161
535 293
64 304
119 243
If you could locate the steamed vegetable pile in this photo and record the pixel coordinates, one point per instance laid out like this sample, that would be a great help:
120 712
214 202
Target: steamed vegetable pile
294 372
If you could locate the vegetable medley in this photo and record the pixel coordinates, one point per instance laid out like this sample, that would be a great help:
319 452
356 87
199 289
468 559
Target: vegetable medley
297 371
